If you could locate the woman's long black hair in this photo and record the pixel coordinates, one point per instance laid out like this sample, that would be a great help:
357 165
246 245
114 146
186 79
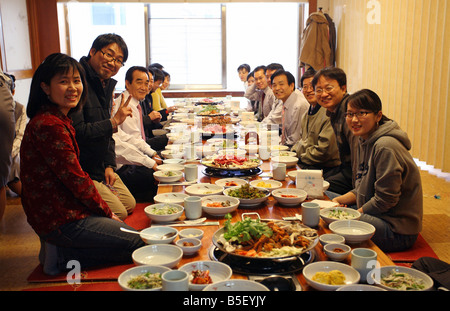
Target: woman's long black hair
54 64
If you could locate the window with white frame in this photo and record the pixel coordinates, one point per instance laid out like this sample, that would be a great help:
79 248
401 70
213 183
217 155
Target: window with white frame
199 44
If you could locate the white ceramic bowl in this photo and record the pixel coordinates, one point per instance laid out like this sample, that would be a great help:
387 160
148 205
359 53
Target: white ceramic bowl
375 277
174 161
236 285
202 190
191 233
360 288
351 275
166 255
289 161
278 153
189 249
345 214
160 215
251 149
330 248
221 210
205 151
170 197
354 231
162 177
331 238
131 273
248 202
152 235
224 181
279 148
231 152
217 271
170 167
266 184
167 154
300 196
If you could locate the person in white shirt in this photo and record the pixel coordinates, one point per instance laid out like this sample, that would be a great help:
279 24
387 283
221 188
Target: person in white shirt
294 106
136 160
261 92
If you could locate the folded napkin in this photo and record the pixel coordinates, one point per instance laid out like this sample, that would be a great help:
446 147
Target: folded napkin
311 181
325 204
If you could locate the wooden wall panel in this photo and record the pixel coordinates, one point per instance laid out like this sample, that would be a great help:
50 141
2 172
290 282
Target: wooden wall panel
405 59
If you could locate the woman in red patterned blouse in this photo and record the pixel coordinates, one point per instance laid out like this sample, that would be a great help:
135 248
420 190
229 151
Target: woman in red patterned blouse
59 198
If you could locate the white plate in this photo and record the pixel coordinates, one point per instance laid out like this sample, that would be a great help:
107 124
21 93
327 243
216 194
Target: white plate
289 161
248 202
217 271
222 182
159 176
204 190
166 255
170 197
279 148
219 211
266 184
236 285
301 196
131 273
375 276
354 231
351 274
170 167
352 214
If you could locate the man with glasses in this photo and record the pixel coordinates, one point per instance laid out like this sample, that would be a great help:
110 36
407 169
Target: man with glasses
95 126
317 148
330 85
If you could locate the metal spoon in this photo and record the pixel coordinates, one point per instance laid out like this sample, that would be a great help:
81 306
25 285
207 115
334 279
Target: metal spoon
188 222
147 236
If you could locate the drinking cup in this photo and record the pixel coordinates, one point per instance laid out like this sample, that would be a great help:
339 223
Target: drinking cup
264 152
279 171
175 280
364 260
193 207
190 172
310 214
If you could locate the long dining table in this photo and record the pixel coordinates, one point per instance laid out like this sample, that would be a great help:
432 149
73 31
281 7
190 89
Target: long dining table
268 210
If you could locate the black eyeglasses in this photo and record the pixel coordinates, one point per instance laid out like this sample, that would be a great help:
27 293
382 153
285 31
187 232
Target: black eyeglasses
109 58
359 114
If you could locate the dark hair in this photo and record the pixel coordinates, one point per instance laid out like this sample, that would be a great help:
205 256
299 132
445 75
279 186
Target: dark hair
53 65
129 74
308 74
244 66
157 65
106 39
262 67
333 73
12 85
251 75
274 66
165 73
289 76
368 100
157 74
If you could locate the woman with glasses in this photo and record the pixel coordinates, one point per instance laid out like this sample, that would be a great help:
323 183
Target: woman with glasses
388 190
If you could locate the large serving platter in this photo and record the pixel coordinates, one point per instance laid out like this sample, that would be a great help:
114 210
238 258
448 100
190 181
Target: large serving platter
250 164
218 240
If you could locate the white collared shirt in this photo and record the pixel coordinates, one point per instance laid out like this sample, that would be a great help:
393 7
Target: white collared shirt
295 108
131 148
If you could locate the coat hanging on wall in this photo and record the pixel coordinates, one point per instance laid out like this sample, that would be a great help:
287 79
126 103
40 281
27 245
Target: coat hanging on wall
318 42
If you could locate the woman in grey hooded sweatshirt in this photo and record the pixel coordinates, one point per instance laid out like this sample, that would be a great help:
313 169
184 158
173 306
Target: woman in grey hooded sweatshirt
388 188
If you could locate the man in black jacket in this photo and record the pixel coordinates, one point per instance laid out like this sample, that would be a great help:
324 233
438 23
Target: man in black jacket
94 125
